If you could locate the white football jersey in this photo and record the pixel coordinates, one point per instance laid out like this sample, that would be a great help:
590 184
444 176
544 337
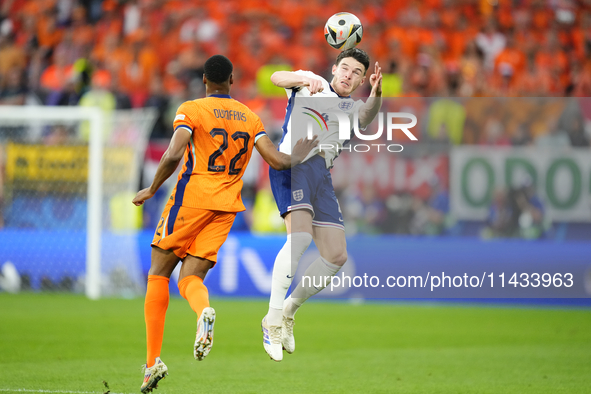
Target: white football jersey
316 115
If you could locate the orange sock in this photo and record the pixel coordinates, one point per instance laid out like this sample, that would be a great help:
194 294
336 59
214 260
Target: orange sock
193 290
155 307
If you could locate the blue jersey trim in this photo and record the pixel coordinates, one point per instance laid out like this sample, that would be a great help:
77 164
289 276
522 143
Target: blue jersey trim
180 192
182 126
337 93
290 104
259 135
220 96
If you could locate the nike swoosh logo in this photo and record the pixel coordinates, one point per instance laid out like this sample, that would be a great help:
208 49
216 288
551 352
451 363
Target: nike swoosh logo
290 277
340 220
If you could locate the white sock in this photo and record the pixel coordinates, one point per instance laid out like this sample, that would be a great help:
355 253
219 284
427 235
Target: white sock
320 273
286 264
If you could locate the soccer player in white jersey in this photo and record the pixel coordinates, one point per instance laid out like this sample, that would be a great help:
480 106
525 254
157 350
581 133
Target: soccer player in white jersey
305 195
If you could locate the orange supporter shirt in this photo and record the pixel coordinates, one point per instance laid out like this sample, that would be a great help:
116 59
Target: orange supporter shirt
223 133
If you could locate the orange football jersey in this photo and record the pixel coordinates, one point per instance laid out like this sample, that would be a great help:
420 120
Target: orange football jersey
223 133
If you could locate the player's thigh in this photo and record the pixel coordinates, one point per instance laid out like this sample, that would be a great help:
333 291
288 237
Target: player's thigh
163 262
299 221
331 244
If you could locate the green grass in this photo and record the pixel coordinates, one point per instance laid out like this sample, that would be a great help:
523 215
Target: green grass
65 342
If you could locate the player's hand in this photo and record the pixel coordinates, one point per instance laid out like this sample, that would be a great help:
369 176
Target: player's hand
142 196
302 148
375 80
314 85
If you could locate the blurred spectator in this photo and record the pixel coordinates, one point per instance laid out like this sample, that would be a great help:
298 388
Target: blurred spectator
572 123
446 118
470 69
68 95
531 212
98 96
159 100
399 214
491 42
11 56
55 77
494 133
432 217
265 211
12 89
364 211
501 219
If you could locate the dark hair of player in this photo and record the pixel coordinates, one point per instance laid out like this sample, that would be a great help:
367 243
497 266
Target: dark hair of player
358 54
218 69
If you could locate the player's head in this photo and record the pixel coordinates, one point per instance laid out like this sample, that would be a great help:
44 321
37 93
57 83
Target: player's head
218 71
349 71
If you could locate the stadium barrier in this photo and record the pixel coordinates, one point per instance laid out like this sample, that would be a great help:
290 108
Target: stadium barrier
245 263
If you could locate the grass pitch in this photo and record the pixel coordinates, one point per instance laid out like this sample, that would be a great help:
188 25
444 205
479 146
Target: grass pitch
66 343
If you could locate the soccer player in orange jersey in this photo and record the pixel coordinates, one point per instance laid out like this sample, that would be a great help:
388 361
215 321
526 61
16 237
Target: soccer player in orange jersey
214 136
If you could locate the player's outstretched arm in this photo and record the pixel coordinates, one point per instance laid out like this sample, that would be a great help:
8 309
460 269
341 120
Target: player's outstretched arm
370 109
280 161
289 79
168 164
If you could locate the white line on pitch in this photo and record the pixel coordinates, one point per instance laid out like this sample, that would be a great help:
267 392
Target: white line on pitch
53 391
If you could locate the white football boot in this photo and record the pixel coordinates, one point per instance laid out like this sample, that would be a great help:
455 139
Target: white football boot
272 340
287 338
204 339
153 375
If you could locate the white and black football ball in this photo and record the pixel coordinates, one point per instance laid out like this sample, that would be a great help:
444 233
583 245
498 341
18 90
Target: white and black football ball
343 31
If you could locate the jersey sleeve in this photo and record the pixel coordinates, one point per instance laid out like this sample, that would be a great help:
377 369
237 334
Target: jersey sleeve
259 130
183 118
308 74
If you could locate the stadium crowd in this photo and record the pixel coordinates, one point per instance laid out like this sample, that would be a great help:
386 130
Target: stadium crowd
151 52
121 54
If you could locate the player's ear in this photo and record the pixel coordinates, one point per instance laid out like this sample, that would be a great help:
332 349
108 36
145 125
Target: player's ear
204 80
334 69
231 79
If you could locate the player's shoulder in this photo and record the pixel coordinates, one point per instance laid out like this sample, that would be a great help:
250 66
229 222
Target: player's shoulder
189 106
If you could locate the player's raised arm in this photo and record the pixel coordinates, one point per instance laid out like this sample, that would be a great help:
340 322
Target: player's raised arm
280 161
168 164
370 109
289 79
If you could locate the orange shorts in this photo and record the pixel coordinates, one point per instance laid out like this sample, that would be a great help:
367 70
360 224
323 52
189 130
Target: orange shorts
198 232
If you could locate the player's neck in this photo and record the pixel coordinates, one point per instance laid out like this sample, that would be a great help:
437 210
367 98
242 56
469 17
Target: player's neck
209 92
217 89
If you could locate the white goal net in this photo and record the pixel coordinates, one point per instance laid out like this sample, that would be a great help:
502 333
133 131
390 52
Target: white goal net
67 177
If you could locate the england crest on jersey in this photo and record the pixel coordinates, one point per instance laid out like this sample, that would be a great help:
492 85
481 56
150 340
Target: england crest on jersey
298 195
346 105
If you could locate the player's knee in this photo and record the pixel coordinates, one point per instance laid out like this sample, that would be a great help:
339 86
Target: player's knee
340 258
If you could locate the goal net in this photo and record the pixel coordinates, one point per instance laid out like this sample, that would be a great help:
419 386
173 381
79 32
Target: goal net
67 178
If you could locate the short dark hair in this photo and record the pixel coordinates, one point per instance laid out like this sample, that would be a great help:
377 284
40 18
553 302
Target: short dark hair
218 69
358 54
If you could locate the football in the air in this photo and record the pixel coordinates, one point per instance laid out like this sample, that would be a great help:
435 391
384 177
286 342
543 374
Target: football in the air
343 31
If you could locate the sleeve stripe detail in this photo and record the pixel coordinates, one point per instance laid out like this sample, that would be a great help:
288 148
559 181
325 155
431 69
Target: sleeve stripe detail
184 127
258 136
